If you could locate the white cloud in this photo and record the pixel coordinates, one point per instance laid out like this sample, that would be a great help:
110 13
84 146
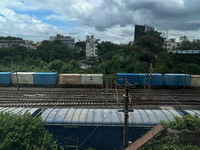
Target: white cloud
2 19
108 20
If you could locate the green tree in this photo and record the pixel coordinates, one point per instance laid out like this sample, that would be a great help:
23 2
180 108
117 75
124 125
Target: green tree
151 41
56 65
172 143
23 132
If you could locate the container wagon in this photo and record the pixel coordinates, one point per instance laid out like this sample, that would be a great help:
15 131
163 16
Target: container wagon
46 79
156 80
72 126
5 78
195 81
92 80
131 78
176 80
69 80
24 79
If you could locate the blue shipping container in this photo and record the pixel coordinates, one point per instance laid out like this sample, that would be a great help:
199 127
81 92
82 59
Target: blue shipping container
5 77
132 78
157 79
45 78
176 79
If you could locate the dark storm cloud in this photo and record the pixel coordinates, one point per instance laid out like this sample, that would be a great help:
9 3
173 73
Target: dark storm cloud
171 14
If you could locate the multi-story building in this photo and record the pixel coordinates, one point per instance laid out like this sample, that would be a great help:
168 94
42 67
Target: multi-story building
13 42
67 40
170 45
141 28
91 49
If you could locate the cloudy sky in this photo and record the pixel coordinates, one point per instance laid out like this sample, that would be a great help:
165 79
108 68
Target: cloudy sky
107 20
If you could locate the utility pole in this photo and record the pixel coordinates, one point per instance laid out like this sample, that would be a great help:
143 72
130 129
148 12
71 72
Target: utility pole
106 92
150 76
126 111
125 142
16 76
12 64
185 77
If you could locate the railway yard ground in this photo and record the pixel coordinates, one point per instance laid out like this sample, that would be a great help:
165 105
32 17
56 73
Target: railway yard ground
98 98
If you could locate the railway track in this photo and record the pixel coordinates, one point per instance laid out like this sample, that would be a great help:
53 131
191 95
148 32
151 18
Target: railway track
96 98
94 92
71 102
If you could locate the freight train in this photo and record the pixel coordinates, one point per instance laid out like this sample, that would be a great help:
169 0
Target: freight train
158 80
137 80
50 79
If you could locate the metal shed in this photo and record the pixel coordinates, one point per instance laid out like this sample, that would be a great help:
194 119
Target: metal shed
16 110
5 78
72 126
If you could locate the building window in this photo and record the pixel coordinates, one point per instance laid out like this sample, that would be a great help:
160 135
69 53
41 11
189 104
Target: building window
168 44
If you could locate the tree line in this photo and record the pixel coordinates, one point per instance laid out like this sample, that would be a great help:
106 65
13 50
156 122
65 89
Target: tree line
112 58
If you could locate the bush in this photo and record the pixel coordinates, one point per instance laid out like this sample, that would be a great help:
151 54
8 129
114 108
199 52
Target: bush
186 122
23 132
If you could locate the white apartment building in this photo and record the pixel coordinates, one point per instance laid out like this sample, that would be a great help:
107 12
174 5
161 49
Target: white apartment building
67 40
170 45
91 49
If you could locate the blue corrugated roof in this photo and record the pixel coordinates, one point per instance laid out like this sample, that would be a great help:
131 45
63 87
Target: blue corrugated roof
108 116
15 110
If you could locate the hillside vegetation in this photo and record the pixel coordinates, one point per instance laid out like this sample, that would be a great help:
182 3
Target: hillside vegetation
112 58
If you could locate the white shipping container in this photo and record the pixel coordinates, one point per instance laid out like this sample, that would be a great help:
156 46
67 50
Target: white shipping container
195 81
23 77
92 79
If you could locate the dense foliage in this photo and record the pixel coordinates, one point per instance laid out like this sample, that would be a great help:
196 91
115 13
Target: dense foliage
23 132
168 143
112 58
172 143
186 122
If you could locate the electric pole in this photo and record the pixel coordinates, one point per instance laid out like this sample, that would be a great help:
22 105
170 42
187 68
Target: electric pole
106 92
126 111
125 142
17 76
185 77
150 76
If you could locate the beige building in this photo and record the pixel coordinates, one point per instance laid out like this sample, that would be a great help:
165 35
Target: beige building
170 45
67 40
